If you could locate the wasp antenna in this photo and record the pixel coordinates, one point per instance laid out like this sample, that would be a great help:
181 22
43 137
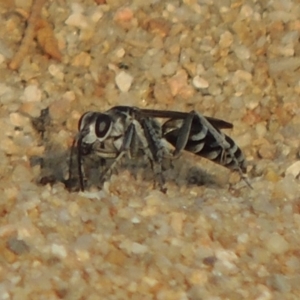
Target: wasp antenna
71 159
244 177
79 162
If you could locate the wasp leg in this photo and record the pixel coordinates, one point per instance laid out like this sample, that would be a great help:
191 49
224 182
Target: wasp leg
125 149
183 134
155 151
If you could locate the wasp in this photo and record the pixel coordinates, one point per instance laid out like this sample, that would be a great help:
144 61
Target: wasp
127 130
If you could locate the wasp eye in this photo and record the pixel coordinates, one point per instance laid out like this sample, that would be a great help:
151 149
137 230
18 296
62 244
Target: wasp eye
103 126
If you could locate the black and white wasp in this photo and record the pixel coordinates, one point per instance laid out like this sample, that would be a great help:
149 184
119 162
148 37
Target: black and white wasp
126 130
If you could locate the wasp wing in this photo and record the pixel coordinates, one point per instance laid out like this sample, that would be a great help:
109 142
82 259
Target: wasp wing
170 114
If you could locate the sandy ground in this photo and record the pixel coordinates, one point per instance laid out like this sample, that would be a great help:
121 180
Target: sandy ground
209 236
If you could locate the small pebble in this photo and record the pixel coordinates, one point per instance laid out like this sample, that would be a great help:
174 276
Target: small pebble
21 4
138 248
287 51
83 59
124 14
200 83
178 82
159 26
135 220
263 293
242 52
17 246
56 72
281 283
197 277
32 93
59 250
96 15
31 109
120 52
226 39
9 147
293 169
241 75
177 222
287 64
77 20
123 81
267 151
18 120
69 96
6 93
4 89
200 69
272 176
77 8
261 129
170 68
246 11
277 244
21 171
162 92
252 104
215 89
58 108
